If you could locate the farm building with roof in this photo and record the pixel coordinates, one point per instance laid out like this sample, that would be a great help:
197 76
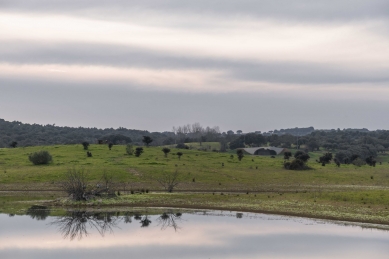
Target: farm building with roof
264 151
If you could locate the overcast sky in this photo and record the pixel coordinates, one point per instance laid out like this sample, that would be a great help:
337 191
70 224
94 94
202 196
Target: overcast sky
152 64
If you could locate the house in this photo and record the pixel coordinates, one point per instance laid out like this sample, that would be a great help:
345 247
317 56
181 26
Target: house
265 151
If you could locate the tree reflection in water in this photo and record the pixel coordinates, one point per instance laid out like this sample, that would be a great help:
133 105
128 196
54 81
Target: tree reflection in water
169 219
77 223
38 212
143 219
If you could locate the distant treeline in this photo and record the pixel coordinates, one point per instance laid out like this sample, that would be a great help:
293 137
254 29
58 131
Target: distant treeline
347 144
35 134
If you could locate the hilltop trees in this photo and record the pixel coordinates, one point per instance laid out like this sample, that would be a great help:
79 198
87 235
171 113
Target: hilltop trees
253 139
237 143
147 140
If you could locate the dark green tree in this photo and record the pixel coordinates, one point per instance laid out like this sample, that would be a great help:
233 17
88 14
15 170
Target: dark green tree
166 151
147 140
302 156
13 144
138 151
240 154
326 158
287 155
179 154
85 144
237 143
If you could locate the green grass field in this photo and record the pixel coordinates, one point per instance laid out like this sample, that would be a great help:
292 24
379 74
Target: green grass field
348 192
252 173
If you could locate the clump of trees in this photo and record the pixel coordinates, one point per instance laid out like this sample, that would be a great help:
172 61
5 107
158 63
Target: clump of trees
326 158
371 161
13 144
182 146
287 155
299 161
147 140
42 157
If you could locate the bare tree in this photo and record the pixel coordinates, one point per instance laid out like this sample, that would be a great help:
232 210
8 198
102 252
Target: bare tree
169 180
75 224
75 184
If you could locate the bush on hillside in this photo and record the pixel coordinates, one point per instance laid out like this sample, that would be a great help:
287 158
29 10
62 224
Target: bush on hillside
40 158
138 151
130 149
182 146
85 144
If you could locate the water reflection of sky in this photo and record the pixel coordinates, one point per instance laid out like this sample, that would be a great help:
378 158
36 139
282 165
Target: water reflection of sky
198 236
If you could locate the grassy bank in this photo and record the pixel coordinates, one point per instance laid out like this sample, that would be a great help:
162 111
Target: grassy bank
346 193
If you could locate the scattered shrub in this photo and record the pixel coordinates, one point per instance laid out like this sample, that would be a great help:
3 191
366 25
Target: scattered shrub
85 144
326 158
138 151
287 155
182 146
179 154
40 158
240 154
166 151
358 162
129 149
300 155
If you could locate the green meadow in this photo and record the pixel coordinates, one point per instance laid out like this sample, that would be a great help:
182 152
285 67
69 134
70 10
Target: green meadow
209 180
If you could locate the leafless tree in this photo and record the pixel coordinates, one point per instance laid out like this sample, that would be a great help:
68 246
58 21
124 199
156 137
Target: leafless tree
75 184
75 224
169 180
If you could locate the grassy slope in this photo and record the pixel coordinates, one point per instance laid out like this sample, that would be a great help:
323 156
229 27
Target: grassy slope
344 193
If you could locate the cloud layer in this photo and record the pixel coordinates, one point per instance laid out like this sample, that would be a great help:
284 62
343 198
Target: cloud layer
328 50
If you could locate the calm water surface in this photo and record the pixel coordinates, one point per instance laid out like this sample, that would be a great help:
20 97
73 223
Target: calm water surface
190 234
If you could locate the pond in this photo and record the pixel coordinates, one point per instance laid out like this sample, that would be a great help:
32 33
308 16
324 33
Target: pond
172 233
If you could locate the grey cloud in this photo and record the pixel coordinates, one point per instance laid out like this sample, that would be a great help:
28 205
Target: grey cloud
43 102
124 56
318 10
